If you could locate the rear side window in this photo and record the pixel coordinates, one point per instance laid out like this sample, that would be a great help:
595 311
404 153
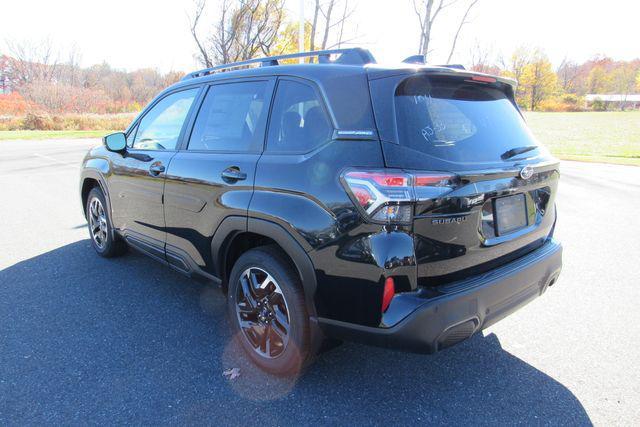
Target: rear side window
298 122
160 128
232 118
458 121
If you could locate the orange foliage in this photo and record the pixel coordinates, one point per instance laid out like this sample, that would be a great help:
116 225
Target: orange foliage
13 104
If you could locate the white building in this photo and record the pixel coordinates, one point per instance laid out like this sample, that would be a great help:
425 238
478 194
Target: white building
615 100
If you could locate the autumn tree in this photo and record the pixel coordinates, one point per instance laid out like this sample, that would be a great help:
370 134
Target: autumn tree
244 29
480 57
514 67
568 73
63 86
624 81
538 80
599 81
33 61
288 40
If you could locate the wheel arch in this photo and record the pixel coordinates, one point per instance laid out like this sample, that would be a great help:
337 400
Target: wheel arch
88 184
89 179
263 232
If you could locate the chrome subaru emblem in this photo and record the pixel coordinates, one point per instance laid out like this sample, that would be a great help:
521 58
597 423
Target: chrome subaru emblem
526 172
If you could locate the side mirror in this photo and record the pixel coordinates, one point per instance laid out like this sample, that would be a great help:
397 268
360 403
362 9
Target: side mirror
115 142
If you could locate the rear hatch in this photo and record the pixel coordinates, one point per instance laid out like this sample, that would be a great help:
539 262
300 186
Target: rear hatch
497 201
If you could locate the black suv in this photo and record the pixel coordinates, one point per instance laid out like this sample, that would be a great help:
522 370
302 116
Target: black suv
405 206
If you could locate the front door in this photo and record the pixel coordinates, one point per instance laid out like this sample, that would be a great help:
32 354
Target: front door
137 180
212 177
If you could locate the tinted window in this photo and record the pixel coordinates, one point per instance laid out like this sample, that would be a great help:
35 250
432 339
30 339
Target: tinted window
458 121
298 122
231 118
160 128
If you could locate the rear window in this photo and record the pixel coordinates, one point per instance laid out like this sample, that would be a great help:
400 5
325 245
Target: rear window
458 121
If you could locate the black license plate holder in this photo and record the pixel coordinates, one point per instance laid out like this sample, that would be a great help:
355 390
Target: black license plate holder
511 214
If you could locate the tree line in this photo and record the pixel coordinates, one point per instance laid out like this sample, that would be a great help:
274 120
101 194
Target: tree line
38 77
541 86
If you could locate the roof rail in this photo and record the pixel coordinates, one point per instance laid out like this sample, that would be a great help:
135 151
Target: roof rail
351 56
419 59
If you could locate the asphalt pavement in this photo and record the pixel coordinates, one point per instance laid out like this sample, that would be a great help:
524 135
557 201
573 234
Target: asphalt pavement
84 340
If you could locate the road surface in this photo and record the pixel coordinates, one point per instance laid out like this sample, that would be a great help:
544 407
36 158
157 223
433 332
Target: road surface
84 339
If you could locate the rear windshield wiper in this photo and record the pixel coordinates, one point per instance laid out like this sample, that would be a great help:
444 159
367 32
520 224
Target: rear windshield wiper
515 151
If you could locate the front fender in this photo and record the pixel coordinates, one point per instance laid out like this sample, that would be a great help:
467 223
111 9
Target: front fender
96 169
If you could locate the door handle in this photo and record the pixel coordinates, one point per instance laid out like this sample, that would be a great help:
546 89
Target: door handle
233 173
156 169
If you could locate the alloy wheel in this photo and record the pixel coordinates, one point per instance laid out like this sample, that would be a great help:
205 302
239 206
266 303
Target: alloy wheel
262 312
98 223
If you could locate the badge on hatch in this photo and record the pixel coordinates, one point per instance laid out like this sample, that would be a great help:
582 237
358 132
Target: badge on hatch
526 172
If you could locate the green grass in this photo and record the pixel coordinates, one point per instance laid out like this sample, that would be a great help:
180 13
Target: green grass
52 134
608 137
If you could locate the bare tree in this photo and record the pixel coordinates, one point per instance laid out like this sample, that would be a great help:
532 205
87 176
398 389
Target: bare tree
202 50
244 29
624 81
567 74
33 61
70 70
345 15
463 21
325 22
314 25
480 55
427 12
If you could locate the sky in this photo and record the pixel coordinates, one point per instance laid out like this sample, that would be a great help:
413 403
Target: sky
132 34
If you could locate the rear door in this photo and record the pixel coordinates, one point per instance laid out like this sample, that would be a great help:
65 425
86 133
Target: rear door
137 180
212 176
499 201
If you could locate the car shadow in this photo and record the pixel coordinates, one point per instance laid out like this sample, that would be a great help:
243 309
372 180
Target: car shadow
128 340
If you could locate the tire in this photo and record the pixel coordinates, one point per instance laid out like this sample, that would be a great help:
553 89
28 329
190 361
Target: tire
103 239
283 291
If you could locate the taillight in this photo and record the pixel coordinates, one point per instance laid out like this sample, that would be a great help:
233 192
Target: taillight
388 293
387 196
484 79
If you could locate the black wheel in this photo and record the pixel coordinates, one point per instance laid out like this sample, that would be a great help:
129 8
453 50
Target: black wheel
103 239
267 311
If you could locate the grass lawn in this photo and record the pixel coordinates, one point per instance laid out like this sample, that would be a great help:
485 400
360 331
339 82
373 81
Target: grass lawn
609 137
52 134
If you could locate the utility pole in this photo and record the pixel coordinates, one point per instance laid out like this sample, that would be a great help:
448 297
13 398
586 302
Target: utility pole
301 29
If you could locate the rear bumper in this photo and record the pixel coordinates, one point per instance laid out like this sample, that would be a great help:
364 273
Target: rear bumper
430 323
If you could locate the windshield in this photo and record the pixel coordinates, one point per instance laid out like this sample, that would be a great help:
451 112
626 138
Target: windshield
457 121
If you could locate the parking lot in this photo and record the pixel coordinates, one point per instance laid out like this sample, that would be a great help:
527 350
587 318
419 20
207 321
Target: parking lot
84 339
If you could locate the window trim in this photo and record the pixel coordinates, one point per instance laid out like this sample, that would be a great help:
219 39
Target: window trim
323 105
133 130
269 95
134 126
